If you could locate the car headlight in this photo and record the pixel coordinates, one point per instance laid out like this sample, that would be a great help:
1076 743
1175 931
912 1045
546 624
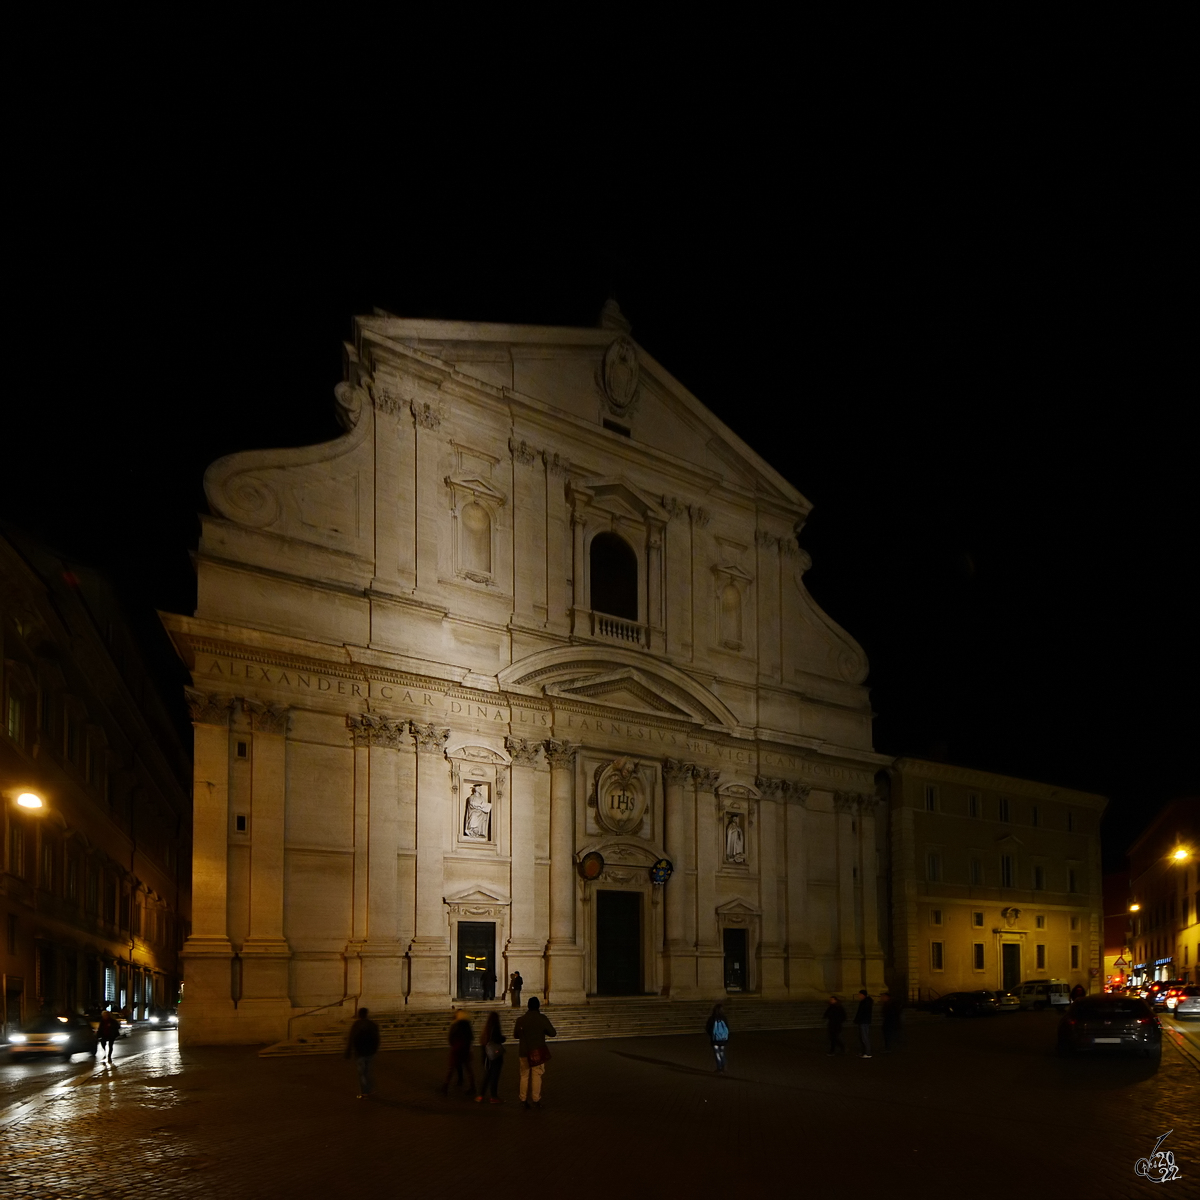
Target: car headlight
153 1020
18 1037
173 1020
60 1037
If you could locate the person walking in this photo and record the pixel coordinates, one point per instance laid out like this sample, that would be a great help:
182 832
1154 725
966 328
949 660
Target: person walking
862 1018
491 1047
891 1021
531 1032
107 1034
461 1036
515 984
363 1044
834 1017
717 1029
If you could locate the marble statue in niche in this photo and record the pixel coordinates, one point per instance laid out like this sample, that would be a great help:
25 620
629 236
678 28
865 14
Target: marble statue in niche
477 821
735 839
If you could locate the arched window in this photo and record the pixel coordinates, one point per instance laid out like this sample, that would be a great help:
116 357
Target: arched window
476 538
614 577
731 617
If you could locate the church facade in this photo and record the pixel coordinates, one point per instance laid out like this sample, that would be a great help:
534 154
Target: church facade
519 674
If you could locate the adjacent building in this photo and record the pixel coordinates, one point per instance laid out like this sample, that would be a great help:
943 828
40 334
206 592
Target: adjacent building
520 673
994 880
1164 884
94 783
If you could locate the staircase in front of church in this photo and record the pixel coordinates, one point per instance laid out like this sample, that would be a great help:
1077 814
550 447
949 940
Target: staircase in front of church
617 1017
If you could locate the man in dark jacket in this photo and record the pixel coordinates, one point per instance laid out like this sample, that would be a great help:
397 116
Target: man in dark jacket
531 1032
834 1017
862 1018
515 984
363 1043
461 1037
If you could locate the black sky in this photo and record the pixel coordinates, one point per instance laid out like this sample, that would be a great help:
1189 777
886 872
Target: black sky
965 331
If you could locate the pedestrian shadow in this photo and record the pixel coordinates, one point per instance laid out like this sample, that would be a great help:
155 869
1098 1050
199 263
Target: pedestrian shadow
678 1068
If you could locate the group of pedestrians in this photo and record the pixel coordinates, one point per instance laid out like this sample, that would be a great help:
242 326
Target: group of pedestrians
530 1030
835 1017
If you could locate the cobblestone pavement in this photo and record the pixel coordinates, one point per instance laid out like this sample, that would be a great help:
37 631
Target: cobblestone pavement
964 1108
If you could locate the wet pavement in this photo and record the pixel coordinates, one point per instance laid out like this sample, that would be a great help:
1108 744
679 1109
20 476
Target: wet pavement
977 1108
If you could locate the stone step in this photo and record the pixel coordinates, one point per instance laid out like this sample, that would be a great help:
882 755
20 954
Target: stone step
650 1017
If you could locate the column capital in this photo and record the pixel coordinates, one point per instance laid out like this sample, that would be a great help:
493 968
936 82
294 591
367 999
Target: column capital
267 718
560 754
429 739
706 779
368 729
524 752
208 708
676 771
849 802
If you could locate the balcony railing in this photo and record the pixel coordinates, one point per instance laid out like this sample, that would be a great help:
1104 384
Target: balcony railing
617 629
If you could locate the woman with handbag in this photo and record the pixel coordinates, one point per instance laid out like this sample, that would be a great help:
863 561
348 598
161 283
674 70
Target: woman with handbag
492 1050
531 1032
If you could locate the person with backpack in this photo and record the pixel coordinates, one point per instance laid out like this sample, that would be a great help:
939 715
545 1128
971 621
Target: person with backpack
717 1029
363 1044
531 1032
491 1047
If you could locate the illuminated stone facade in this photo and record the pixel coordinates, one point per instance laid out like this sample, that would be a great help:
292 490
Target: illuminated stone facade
469 678
994 881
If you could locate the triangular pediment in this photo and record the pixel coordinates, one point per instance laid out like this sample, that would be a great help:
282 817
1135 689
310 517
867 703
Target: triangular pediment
738 907
477 486
626 689
476 895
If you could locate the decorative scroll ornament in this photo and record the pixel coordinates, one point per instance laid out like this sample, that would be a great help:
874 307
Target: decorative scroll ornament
429 739
524 753
620 795
1011 916
590 865
208 709
619 377
661 871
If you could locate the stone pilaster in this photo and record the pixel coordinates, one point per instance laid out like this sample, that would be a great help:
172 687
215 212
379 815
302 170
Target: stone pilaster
430 950
872 951
207 954
680 891
564 956
710 955
525 950
771 975
849 943
265 952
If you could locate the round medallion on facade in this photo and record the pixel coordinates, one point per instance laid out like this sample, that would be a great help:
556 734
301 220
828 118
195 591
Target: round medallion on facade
661 871
620 375
620 796
590 865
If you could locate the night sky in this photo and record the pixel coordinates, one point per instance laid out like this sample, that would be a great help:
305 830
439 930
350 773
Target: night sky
974 355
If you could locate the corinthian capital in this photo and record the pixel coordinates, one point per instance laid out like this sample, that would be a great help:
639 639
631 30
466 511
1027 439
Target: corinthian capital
208 709
266 718
429 739
706 779
676 771
524 752
560 753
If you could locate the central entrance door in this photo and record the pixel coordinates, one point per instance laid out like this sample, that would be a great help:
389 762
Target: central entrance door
735 960
618 943
1011 965
476 958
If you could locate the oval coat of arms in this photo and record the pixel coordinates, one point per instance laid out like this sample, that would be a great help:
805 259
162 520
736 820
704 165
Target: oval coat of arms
620 374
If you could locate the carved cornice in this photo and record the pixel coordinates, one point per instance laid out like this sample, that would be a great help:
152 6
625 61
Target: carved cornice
560 754
208 708
429 739
522 452
524 753
706 779
676 771
266 718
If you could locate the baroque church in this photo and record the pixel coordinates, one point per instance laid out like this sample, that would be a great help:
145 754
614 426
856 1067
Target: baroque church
518 674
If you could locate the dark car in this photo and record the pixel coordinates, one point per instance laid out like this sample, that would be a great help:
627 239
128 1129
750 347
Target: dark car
966 1004
1110 1023
52 1036
1007 1001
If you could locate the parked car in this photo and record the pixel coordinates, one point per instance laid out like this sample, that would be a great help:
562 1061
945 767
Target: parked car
1007 1002
966 1004
51 1036
1044 993
1163 991
1187 1003
1110 1022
